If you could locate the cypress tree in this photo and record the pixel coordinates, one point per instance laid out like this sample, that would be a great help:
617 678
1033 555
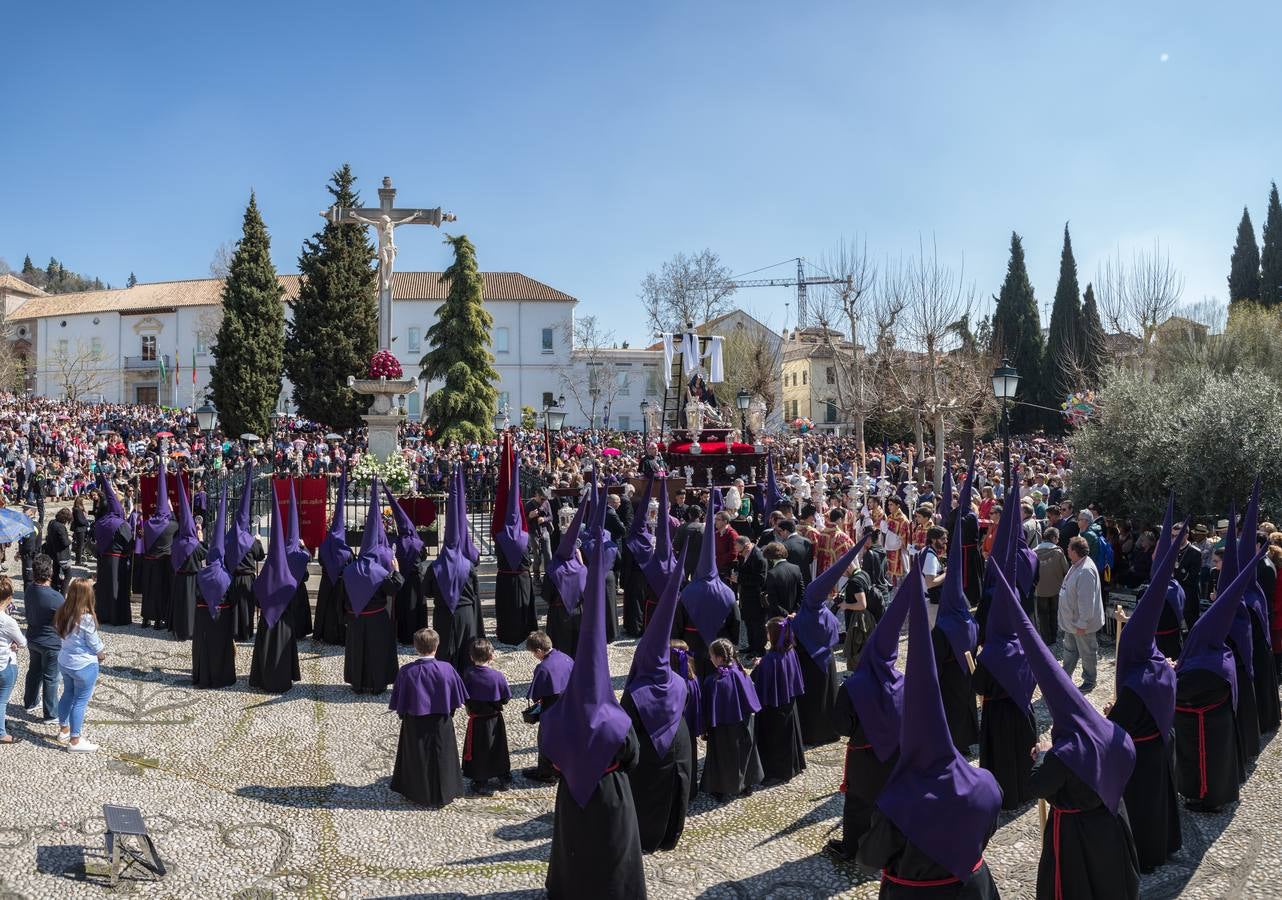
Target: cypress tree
463 408
1017 334
1061 372
1244 265
1094 344
245 378
27 267
334 330
131 280
1271 254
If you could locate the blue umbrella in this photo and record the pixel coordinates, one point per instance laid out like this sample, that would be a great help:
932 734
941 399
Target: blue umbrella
14 526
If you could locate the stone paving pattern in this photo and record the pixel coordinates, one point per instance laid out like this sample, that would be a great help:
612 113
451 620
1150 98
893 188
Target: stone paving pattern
251 795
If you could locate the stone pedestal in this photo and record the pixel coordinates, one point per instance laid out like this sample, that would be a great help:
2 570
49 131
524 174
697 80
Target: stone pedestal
383 418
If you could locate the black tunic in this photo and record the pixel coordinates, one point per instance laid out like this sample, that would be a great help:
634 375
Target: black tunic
1087 851
111 587
731 764
158 577
411 607
514 613
1264 677
683 628
814 707
660 784
562 626
330 626
1006 738
457 629
1151 803
596 849
957 693
241 593
779 744
300 611
1248 714
634 587
1167 635
182 616
863 777
1208 756
213 651
427 764
485 750
907 872
274 668
369 656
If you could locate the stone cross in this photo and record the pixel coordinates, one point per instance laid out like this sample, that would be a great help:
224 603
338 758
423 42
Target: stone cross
385 219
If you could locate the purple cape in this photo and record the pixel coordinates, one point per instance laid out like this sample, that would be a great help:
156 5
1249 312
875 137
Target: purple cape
773 496
661 562
777 677
1003 655
1204 648
275 585
513 540
815 627
680 660
451 570
656 691
185 541
568 573
954 618
728 697
1140 665
367 572
334 552
876 687
408 545
942 804
155 526
707 599
486 684
239 538
295 552
213 579
106 525
427 687
550 676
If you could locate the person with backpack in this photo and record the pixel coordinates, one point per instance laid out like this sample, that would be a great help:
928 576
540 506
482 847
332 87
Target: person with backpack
1101 551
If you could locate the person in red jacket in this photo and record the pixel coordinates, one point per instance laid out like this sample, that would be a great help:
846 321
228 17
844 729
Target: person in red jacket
726 537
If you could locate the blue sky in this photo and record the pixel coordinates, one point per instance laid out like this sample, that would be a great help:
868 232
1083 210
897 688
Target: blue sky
585 143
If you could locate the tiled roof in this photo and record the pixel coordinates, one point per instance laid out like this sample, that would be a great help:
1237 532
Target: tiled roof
208 291
13 283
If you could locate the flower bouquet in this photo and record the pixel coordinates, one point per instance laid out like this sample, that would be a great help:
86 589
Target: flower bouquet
384 364
394 472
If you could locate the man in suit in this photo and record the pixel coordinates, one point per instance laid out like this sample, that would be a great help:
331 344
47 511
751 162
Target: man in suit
40 602
801 552
689 537
1188 574
783 582
748 578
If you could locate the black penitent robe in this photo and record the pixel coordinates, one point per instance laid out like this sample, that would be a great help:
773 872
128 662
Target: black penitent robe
300 611
814 707
213 651
369 656
427 765
779 744
957 693
907 872
241 593
634 586
1086 850
457 629
864 775
683 628
1006 737
611 606
660 785
596 849
411 607
514 614
731 764
1209 762
1167 636
111 588
1151 804
158 577
1248 712
562 626
275 664
1264 677
485 750
182 616
330 626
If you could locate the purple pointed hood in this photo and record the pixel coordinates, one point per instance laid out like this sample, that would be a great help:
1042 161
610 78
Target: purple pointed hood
815 627
156 524
407 544
567 571
452 568
657 692
596 525
661 562
1255 600
275 585
213 579
1097 751
638 540
513 540
465 532
954 618
295 552
1140 665
334 551
367 572
239 538
707 599
106 525
1204 648
773 497
1003 654
876 687
777 675
941 803
946 497
185 541
1240 629
584 730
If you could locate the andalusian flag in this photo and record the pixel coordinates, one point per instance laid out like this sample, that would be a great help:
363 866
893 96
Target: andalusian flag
164 375
178 367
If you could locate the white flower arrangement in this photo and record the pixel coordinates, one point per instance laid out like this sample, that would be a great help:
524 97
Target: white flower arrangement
394 472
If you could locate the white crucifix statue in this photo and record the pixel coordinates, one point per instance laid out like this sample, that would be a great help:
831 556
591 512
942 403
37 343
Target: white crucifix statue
385 219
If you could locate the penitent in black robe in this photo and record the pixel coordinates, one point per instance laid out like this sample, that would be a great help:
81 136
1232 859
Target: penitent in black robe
864 775
369 656
683 628
241 593
274 668
330 626
213 651
596 849
1264 677
411 607
1007 734
182 615
779 744
427 768
634 589
1248 712
731 764
957 693
158 577
1209 762
1086 850
1151 804
514 614
909 874
300 611
485 749
1167 635
660 784
111 587
562 626
457 629
814 707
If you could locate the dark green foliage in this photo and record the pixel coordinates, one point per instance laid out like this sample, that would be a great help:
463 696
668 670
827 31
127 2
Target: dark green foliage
27 267
1271 254
245 378
1017 335
334 331
1094 344
1244 265
1062 372
463 408
55 279
131 280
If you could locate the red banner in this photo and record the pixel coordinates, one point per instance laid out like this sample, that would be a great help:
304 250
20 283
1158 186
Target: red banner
147 492
421 510
311 493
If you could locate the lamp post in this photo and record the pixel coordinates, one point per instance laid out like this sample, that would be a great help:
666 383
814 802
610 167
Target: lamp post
645 422
1005 383
553 419
207 419
741 400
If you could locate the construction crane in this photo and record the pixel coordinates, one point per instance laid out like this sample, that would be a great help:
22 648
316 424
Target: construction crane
801 282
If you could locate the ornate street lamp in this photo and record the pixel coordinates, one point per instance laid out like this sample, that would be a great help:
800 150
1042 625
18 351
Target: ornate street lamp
1005 384
207 418
741 400
553 420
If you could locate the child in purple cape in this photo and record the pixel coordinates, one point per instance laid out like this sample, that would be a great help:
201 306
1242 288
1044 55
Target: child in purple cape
550 678
485 751
779 682
425 695
731 766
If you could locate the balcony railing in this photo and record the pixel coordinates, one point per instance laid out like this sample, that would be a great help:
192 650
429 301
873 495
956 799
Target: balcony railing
142 364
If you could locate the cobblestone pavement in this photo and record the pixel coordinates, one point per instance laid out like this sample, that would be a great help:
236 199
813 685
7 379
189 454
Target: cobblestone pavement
250 795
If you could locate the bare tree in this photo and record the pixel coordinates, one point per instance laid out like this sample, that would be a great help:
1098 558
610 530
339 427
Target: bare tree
751 361
689 288
220 265
1135 298
589 345
79 371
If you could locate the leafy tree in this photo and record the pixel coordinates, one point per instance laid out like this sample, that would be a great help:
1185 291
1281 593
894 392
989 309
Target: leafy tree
1244 265
529 418
334 330
1095 358
57 279
1062 372
462 409
1017 333
131 281
1271 255
245 378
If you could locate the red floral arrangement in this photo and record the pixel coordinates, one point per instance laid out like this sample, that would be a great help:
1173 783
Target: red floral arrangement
384 365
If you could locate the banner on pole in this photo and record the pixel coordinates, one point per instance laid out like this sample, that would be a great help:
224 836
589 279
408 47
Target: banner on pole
147 491
311 493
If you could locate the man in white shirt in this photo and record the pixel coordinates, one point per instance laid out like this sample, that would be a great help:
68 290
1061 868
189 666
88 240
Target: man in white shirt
1081 612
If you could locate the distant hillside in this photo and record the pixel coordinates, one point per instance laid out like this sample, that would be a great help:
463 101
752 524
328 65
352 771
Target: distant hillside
55 278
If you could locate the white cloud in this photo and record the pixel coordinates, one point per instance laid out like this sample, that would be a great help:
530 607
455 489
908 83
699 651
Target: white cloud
1164 57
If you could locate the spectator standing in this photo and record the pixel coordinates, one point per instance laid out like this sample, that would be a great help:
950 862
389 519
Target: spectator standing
11 639
1081 612
1052 566
40 603
78 661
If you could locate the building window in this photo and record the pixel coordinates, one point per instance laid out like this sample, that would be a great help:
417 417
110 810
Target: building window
803 377
830 412
625 423
831 374
63 347
413 339
149 347
501 340
201 346
652 382
624 381
548 399
547 340
412 406
95 346
504 401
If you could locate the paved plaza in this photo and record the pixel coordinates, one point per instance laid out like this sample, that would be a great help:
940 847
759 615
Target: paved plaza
250 795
